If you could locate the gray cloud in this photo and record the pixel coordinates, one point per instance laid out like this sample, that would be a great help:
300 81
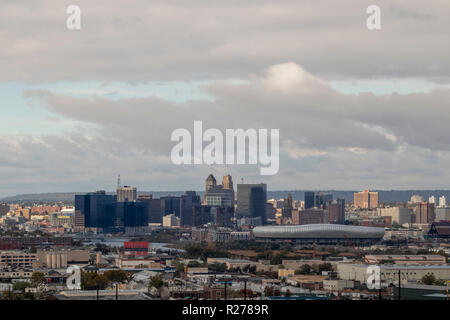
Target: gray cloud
186 40
328 139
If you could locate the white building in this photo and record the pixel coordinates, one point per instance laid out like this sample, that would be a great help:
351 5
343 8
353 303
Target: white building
442 214
399 215
442 201
171 220
416 198
432 199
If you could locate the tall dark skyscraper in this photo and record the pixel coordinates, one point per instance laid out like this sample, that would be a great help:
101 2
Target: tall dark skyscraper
187 202
97 208
251 201
101 211
170 204
317 199
154 212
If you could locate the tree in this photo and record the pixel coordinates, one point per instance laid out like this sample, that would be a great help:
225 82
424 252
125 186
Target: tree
304 269
116 276
93 280
429 279
156 281
325 267
38 278
21 285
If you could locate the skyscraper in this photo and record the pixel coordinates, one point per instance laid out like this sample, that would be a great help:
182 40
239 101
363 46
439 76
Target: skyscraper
126 193
365 199
316 199
188 201
442 202
219 195
251 201
336 211
425 213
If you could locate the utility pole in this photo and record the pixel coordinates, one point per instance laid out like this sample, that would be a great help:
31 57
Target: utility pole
225 284
245 289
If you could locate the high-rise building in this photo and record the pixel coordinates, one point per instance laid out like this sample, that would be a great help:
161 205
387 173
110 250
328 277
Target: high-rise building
126 193
210 182
188 201
101 211
315 199
442 202
425 213
227 182
251 201
336 211
365 199
399 215
432 200
170 204
154 212
219 195
308 216
97 208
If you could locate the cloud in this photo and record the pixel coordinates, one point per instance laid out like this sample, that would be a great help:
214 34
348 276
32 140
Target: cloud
328 139
194 39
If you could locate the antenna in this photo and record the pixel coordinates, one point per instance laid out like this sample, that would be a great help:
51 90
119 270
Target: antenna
118 181
242 180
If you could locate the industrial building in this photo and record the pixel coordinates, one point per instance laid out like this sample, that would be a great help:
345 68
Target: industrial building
389 273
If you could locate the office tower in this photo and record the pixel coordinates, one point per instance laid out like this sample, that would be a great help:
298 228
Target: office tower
399 215
219 195
221 216
425 213
126 193
287 207
101 211
170 204
227 182
366 199
154 213
336 211
442 202
200 215
188 201
131 214
210 182
97 209
315 199
251 201
308 216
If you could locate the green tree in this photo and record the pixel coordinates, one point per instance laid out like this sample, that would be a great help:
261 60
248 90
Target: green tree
116 276
21 285
156 281
429 279
304 269
38 278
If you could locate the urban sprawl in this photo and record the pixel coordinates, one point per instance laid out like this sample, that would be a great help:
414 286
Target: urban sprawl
225 244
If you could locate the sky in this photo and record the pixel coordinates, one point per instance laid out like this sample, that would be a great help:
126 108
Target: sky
356 108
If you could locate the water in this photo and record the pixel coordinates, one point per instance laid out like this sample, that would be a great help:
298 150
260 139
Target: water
118 243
